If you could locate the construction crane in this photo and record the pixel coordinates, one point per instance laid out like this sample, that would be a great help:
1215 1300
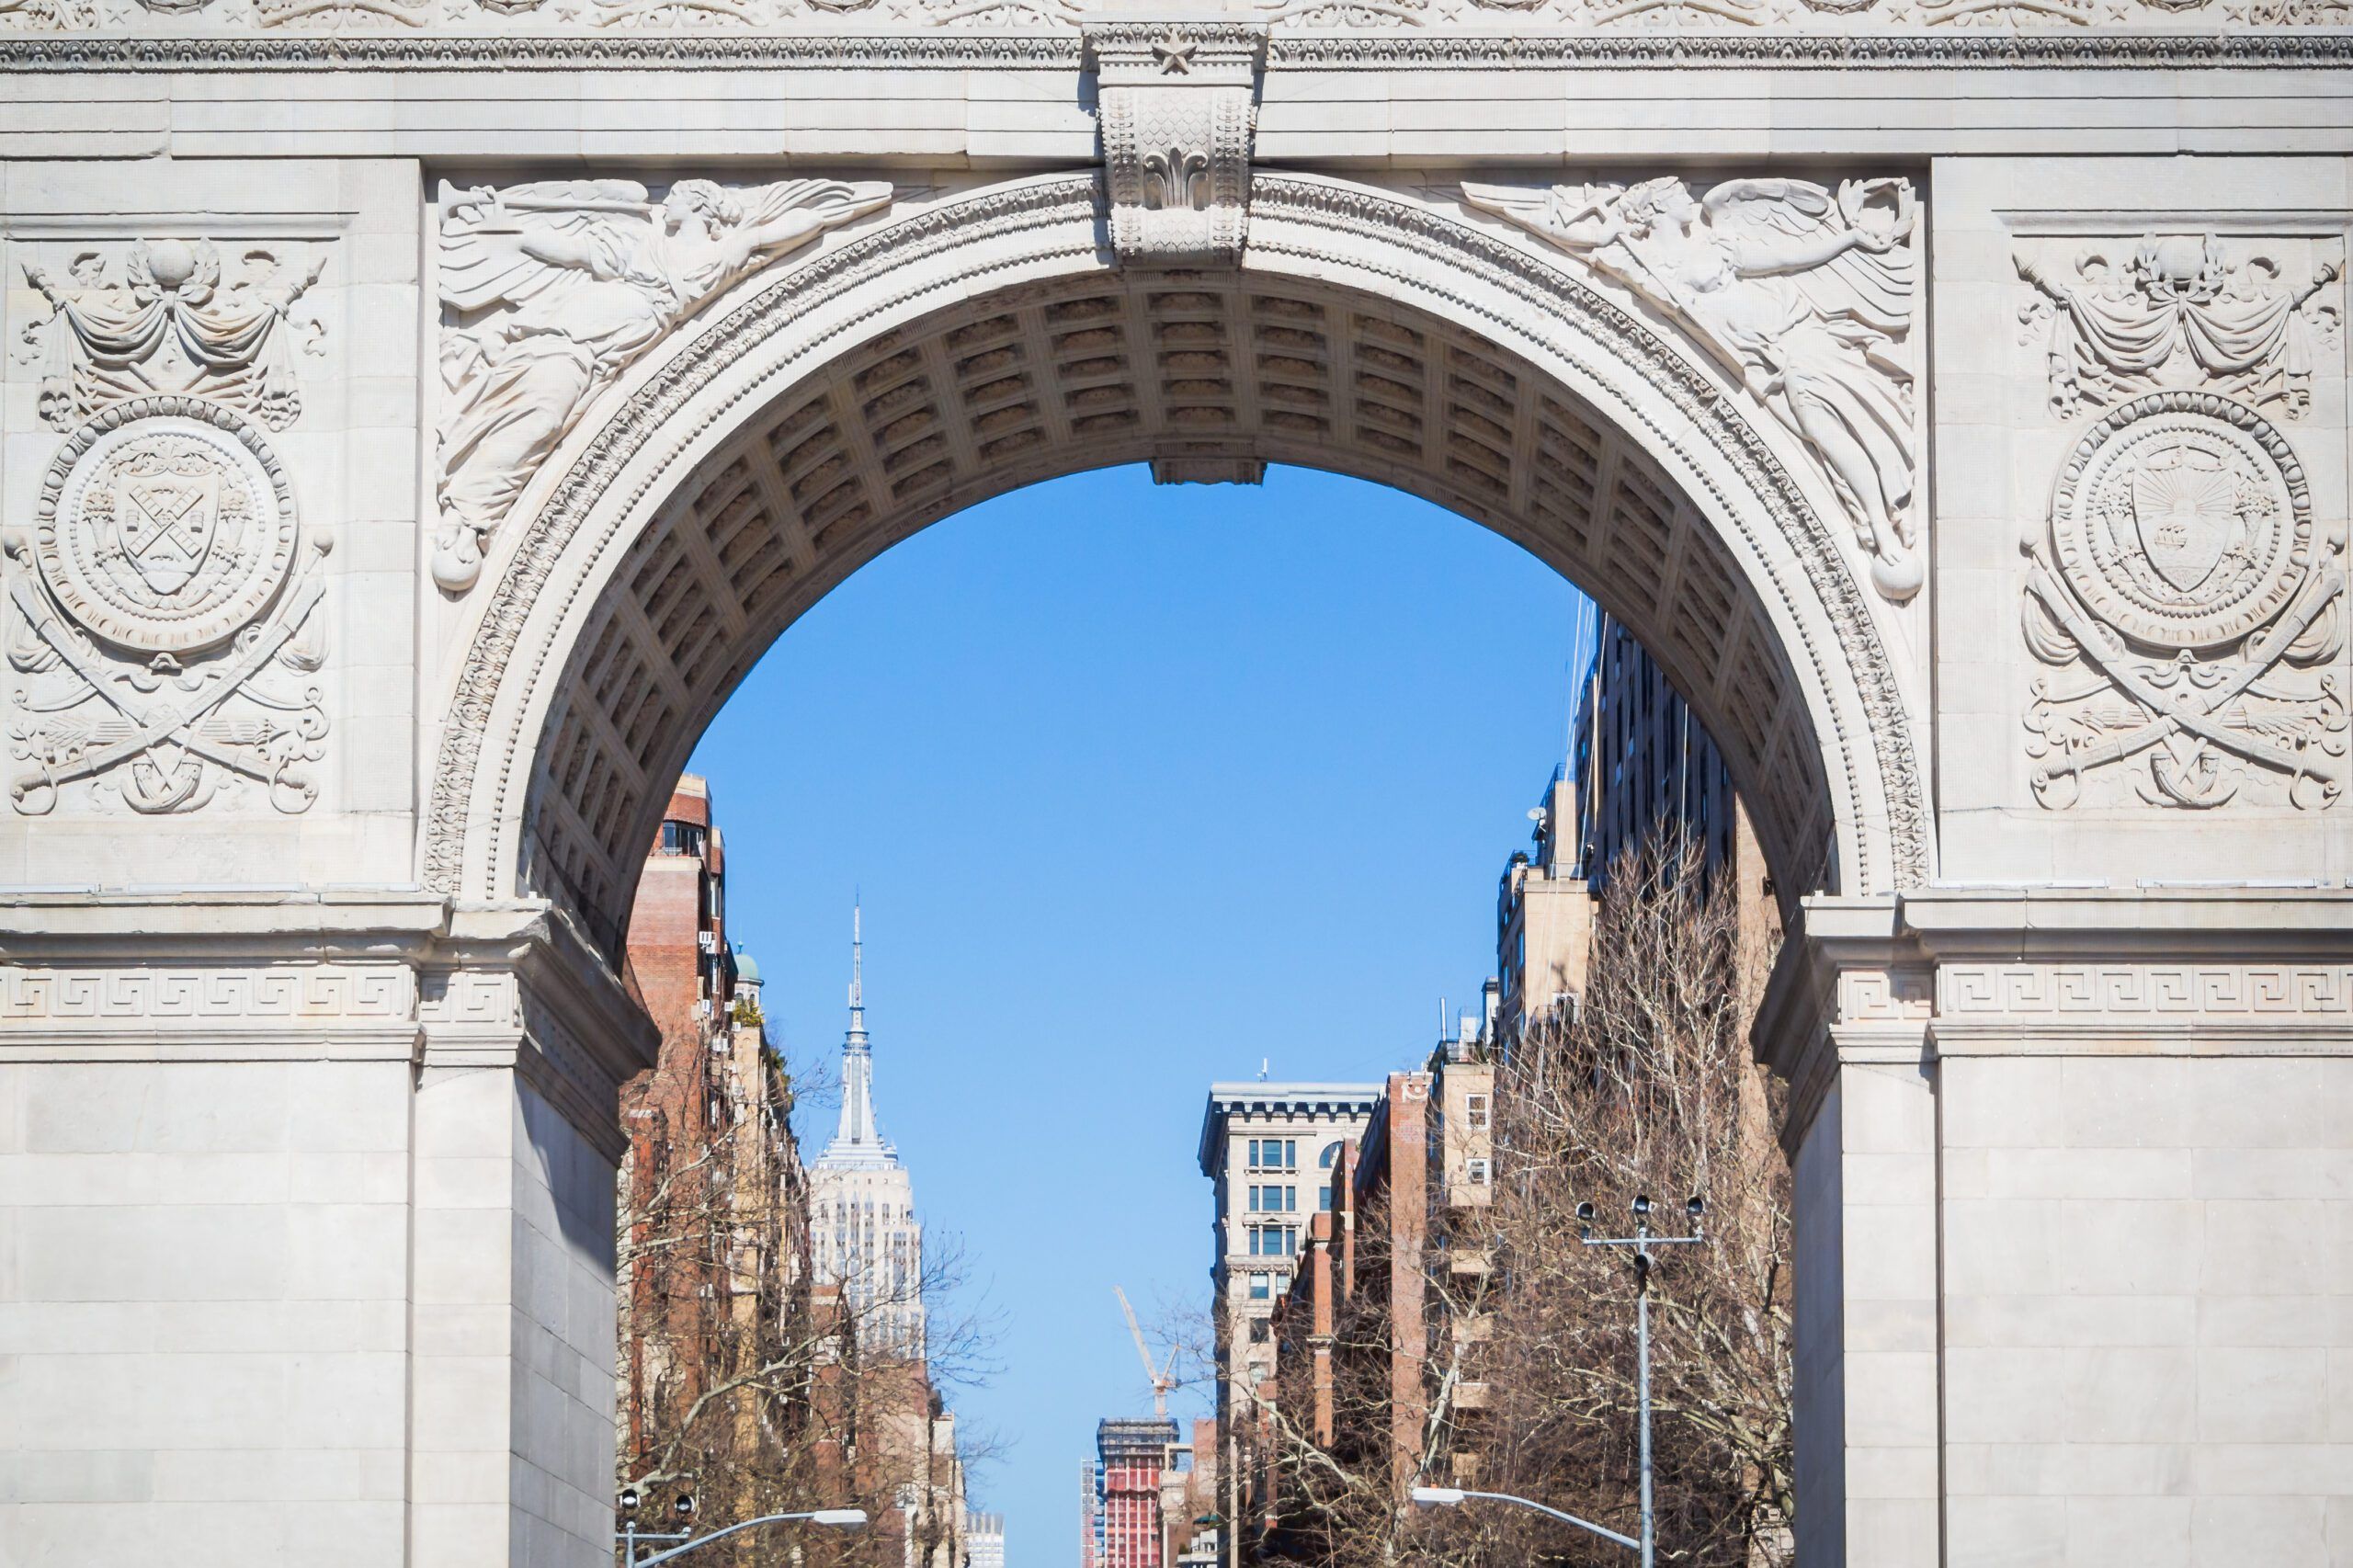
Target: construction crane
1161 1381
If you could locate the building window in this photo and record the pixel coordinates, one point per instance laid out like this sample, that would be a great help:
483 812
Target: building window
1290 1241
1260 1291
1329 1157
1274 1154
1479 1172
1324 1199
1474 1111
1261 1330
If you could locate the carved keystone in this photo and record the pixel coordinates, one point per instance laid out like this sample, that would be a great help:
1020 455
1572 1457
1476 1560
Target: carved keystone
1176 103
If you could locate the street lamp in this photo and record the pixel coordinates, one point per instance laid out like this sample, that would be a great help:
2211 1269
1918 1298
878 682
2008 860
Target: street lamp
629 1535
1642 1241
1452 1496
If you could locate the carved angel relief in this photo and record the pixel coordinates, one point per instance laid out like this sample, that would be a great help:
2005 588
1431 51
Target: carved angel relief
2178 311
167 321
1802 292
167 636
550 290
2192 607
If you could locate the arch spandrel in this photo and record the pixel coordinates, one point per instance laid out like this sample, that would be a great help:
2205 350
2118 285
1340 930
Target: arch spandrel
818 414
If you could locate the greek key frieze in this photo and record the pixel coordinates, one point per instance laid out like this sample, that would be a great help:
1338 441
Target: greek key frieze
470 998
1898 995
2142 990
292 992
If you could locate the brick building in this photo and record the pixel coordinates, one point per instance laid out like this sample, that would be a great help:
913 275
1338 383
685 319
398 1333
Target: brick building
1132 1458
1364 1340
712 1231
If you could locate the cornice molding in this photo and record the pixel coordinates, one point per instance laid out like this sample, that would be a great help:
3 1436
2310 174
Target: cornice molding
2275 49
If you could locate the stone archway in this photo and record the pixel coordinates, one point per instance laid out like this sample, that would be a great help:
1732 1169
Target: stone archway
810 419
309 1031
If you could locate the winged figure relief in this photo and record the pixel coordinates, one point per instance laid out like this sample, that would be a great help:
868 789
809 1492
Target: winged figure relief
1803 292
550 289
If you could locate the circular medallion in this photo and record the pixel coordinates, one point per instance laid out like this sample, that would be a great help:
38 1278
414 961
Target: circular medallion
2182 519
166 525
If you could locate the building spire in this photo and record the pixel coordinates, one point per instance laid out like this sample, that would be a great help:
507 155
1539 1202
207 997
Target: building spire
857 1140
856 973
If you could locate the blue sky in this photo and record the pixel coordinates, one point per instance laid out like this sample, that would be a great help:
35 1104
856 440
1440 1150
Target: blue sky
1141 785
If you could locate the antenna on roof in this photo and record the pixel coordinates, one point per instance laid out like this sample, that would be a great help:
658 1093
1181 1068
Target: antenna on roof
1266 1065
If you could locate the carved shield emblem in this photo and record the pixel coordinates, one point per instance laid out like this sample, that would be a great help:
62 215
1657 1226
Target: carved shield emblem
164 524
2185 513
163 529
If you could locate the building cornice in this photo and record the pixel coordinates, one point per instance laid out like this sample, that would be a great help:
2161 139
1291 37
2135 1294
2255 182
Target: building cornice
2244 49
2195 970
1253 1098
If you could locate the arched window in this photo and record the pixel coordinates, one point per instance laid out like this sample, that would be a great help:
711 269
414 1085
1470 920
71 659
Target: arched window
1330 1157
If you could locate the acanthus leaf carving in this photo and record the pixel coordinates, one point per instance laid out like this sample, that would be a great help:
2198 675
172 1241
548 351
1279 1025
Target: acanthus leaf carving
335 14
167 626
167 321
2178 311
550 289
2190 605
1177 107
1804 293
52 15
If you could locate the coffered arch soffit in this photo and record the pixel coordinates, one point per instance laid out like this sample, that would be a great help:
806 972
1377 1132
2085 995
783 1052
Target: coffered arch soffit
821 413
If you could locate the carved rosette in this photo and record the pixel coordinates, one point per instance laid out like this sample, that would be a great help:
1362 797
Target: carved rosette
2191 607
164 630
1177 106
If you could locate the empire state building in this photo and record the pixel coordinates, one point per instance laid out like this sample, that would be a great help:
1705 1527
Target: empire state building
862 1201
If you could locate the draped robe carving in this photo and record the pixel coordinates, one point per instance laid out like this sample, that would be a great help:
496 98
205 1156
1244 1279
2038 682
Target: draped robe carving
551 289
1804 293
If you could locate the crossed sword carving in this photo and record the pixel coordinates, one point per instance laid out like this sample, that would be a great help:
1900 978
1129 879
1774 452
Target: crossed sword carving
2318 590
158 722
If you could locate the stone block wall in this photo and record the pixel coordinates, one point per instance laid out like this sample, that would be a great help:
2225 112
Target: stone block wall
2147 1300
204 1310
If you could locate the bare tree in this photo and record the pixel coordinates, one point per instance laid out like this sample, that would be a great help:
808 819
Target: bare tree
1528 1374
1648 1088
744 1382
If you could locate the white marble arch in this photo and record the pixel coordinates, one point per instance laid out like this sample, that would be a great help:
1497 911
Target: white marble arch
306 1128
679 531
1758 605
